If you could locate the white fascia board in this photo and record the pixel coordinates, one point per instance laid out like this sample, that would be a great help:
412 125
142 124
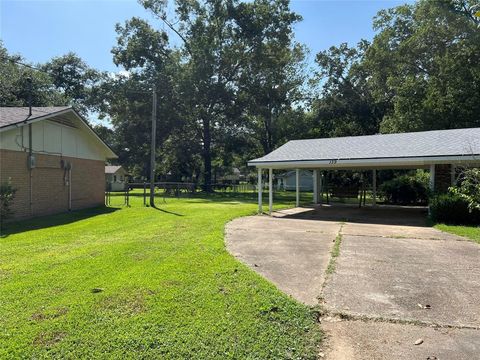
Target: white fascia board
367 163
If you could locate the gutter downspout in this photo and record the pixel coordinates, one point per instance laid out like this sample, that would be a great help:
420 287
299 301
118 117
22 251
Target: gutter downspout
70 187
30 146
29 164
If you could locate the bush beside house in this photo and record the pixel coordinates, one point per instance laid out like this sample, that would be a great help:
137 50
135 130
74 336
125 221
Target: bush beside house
7 194
406 189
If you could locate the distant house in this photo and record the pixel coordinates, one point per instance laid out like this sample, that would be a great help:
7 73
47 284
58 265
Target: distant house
115 178
287 180
234 176
53 158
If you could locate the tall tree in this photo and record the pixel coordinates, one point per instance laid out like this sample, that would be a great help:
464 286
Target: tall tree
76 80
224 43
14 90
345 105
64 80
272 78
424 63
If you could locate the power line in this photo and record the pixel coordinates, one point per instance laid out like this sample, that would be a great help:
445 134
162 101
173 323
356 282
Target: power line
30 66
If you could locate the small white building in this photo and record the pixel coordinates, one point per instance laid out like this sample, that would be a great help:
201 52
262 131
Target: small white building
287 180
115 178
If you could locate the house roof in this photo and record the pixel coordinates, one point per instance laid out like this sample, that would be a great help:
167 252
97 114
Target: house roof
112 169
11 117
405 147
15 115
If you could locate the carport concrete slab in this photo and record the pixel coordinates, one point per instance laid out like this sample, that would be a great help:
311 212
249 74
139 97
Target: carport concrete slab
359 340
389 277
293 254
397 231
386 215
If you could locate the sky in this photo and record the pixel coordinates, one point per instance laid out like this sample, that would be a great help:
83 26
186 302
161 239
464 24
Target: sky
41 29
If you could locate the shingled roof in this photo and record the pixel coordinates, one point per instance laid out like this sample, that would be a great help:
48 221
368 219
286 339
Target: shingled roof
439 143
15 115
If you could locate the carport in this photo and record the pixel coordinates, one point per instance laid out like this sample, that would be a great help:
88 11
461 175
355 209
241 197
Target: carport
440 151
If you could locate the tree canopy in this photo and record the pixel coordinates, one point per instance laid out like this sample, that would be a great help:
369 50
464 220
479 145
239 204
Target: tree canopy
234 84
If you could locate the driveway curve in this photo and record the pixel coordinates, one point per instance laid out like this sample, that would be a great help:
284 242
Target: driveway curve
399 288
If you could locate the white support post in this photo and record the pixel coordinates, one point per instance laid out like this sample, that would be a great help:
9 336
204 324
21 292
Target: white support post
260 210
270 192
297 187
320 187
374 186
315 186
432 177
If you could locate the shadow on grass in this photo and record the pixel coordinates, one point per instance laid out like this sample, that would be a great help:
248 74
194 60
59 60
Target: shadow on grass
53 220
166 211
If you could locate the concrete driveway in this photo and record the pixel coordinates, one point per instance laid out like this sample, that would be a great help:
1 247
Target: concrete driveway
396 282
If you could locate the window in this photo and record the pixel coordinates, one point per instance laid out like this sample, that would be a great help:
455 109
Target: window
114 178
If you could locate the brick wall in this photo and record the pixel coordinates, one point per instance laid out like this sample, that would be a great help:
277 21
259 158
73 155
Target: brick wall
443 177
50 183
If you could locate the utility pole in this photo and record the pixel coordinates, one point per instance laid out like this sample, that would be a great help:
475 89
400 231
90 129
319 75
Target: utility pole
153 147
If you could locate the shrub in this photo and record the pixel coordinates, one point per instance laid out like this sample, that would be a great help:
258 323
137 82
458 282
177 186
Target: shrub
453 209
469 188
406 189
7 194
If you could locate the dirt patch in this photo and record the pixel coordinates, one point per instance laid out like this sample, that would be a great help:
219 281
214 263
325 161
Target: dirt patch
48 339
45 314
126 304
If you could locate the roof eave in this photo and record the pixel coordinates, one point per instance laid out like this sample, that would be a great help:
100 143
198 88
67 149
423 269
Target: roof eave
35 119
371 162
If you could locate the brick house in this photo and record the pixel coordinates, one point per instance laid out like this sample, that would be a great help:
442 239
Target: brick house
53 158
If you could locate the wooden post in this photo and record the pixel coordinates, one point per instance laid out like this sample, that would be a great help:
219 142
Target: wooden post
315 186
374 187
144 193
153 147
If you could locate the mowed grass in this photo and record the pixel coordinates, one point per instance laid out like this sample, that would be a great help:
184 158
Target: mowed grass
470 232
140 282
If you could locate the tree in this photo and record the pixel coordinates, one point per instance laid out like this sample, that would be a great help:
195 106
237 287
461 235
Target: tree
14 73
223 44
77 81
272 78
65 80
345 105
424 64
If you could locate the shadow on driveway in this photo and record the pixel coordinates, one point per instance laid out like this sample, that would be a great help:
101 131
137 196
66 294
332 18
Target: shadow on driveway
382 214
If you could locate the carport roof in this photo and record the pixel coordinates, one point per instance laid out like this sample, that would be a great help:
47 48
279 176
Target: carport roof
415 148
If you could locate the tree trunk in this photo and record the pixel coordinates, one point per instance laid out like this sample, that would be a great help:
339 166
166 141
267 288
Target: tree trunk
207 157
268 143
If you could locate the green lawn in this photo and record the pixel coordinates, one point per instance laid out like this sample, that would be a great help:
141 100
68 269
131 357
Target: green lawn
470 232
144 283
